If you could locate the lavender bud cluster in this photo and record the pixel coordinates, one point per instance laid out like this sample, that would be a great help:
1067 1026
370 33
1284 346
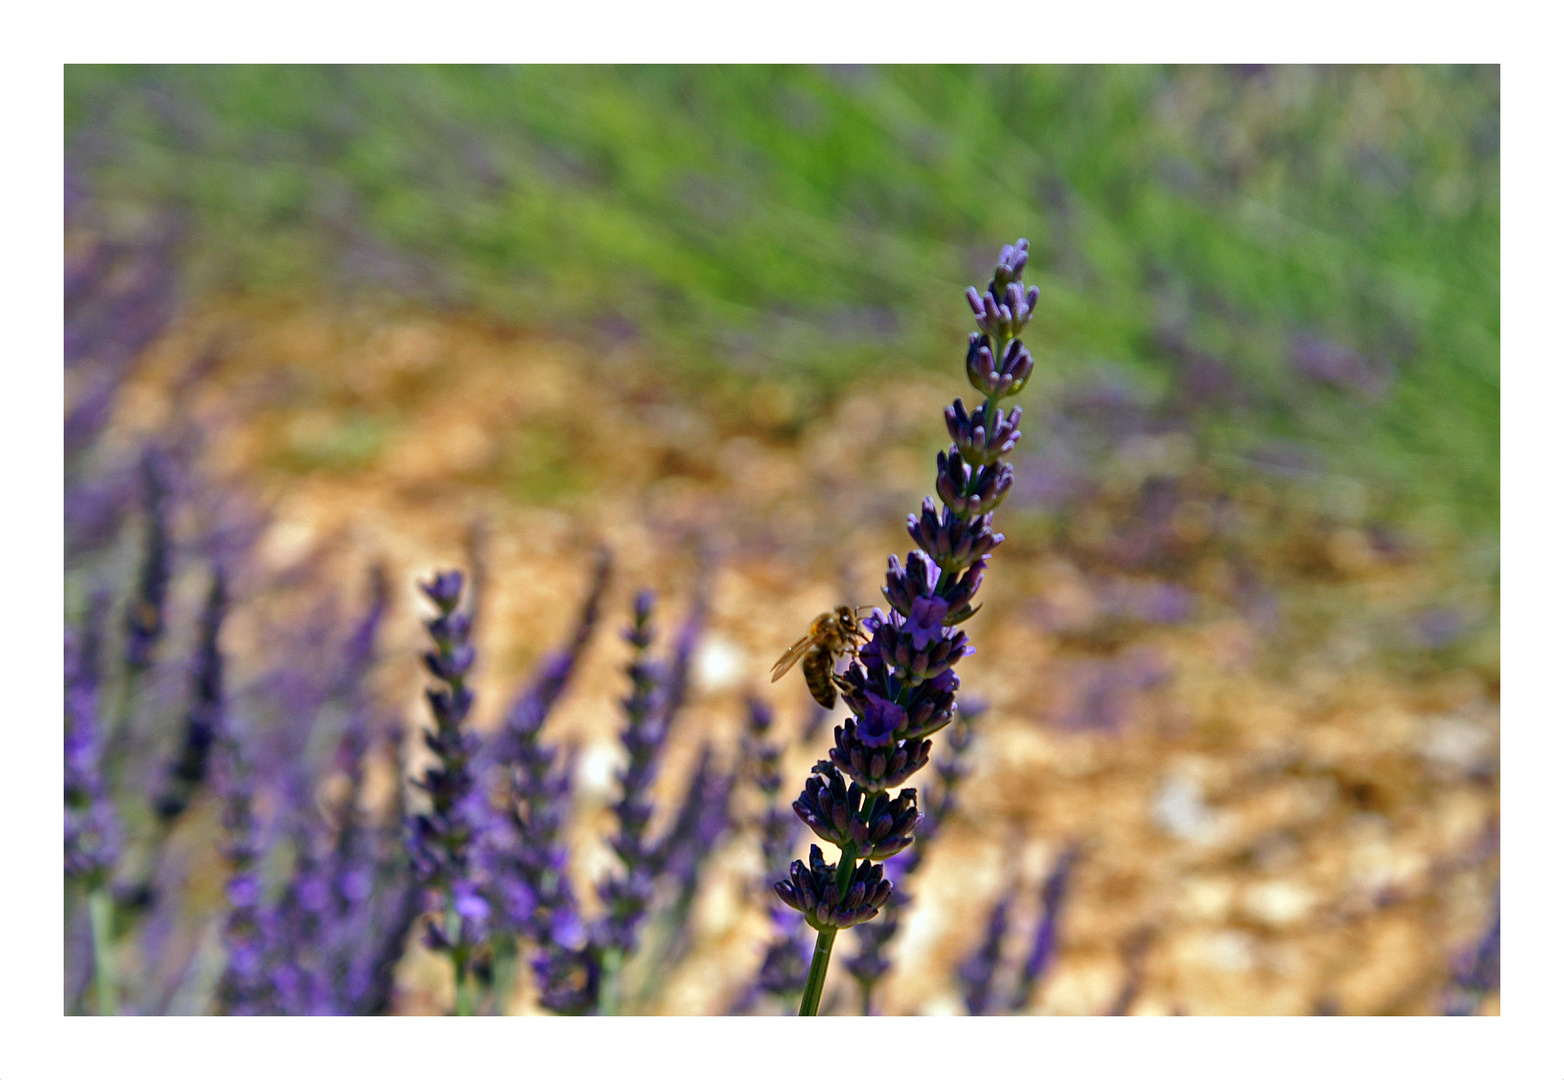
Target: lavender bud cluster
901 685
871 962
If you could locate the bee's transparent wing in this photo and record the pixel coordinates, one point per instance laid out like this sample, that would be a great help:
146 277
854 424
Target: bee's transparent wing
789 658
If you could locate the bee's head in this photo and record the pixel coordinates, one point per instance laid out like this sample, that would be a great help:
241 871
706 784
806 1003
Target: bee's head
847 619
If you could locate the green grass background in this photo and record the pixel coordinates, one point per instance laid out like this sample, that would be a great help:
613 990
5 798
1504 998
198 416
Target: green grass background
817 225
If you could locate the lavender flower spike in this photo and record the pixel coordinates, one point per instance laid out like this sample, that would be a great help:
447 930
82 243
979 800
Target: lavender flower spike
91 832
91 828
442 838
901 686
1045 941
144 611
782 970
203 723
628 894
977 972
245 988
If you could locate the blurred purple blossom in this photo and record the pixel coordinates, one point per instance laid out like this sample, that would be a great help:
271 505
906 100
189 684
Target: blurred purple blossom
628 893
246 987
441 838
91 825
144 610
204 719
1045 939
1440 627
977 972
1335 364
1100 694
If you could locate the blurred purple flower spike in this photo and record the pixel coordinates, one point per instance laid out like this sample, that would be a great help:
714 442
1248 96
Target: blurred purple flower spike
442 839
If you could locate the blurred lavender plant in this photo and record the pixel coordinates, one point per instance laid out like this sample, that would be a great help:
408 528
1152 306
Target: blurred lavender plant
1045 939
786 962
978 973
246 987
340 920
585 977
901 686
203 723
627 894
441 838
91 825
703 817
530 890
144 609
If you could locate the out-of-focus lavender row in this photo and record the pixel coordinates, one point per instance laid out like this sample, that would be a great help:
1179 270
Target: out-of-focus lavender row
324 882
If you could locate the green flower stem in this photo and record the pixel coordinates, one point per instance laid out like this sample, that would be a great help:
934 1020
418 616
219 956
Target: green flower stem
810 1005
815 984
100 907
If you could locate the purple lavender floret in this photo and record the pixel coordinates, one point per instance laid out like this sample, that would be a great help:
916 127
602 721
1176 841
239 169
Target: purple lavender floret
870 964
525 862
901 685
569 980
813 891
302 920
778 828
785 966
877 827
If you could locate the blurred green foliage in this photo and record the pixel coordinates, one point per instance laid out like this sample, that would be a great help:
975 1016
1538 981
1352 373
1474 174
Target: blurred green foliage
818 224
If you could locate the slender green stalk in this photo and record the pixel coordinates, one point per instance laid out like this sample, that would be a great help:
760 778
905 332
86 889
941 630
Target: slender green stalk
810 1005
100 907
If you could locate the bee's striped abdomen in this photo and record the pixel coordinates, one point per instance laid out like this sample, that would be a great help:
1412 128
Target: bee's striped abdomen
817 665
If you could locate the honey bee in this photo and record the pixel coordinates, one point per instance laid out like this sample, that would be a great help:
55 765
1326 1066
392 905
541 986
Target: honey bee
833 634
